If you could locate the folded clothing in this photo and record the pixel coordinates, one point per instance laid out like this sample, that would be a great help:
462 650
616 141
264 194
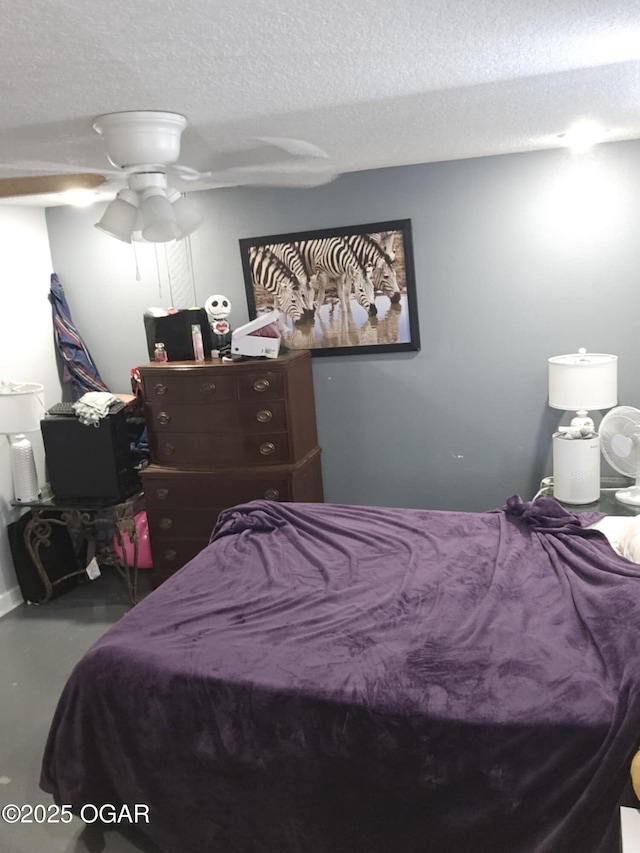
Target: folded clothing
93 406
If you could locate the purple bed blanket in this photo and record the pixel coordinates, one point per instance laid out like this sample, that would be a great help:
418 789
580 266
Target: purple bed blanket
346 679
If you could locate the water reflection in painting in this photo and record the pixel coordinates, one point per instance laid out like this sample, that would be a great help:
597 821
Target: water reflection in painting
334 327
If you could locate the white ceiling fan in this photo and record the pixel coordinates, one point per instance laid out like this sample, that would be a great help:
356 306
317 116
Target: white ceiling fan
143 147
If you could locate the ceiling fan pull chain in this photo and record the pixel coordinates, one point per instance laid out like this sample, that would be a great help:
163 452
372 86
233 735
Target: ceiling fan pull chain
190 266
168 266
155 249
135 260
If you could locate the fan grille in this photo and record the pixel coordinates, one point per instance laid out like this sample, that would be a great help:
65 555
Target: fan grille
620 440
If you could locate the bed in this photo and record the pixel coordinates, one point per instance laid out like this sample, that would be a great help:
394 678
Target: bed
349 679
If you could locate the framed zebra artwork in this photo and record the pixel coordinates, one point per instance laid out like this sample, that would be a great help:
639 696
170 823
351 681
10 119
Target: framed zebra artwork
338 291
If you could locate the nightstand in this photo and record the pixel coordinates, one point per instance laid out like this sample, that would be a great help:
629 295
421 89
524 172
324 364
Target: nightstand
84 516
607 502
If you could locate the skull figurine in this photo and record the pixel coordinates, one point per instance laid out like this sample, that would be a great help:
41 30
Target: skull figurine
218 308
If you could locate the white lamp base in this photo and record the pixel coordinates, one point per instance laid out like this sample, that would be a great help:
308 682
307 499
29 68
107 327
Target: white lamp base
23 466
576 469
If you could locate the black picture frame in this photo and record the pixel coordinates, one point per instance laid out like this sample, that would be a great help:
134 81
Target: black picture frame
338 291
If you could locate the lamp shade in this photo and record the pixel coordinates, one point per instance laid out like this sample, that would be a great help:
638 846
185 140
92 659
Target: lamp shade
583 381
21 407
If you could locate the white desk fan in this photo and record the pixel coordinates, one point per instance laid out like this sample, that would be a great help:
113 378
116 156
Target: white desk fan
620 445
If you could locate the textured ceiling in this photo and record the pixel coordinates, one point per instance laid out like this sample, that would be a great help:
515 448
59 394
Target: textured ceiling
375 84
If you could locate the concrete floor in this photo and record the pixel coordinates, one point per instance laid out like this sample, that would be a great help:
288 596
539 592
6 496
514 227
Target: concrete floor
39 645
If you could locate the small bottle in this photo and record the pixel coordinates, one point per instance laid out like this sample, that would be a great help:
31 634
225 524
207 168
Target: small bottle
160 353
198 346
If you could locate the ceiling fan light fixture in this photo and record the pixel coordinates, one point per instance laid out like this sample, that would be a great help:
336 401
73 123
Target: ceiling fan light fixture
187 216
159 222
119 218
149 212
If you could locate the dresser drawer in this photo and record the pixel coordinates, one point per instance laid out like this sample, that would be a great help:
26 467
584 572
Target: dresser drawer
166 489
225 416
163 495
208 388
219 449
260 416
182 521
162 387
261 384
187 387
169 555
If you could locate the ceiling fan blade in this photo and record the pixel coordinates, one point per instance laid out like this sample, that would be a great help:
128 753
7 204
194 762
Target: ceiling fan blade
281 175
270 151
52 167
42 184
295 147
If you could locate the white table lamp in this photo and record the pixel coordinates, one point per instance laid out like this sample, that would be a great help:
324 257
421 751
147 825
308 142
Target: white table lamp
580 382
21 409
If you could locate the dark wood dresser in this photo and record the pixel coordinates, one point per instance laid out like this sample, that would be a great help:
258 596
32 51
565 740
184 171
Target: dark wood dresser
220 434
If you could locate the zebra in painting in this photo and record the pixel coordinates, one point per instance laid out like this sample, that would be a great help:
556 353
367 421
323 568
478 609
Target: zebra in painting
289 254
377 250
276 278
331 258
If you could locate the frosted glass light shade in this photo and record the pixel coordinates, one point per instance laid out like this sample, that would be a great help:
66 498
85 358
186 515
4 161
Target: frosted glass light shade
187 216
159 223
120 216
136 235
148 212
21 407
583 381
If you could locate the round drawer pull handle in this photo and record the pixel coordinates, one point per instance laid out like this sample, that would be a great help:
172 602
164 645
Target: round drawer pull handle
160 389
162 494
272 494
264 416
261 385
169 449
267 448
163 418
208 387
170 554
166 523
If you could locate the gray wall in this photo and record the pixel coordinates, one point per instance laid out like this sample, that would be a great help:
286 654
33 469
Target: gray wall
517 257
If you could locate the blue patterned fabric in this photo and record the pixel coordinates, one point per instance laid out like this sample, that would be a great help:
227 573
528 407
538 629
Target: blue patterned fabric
79 368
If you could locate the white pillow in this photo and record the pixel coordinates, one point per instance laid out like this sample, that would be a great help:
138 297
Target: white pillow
631 540
623 534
